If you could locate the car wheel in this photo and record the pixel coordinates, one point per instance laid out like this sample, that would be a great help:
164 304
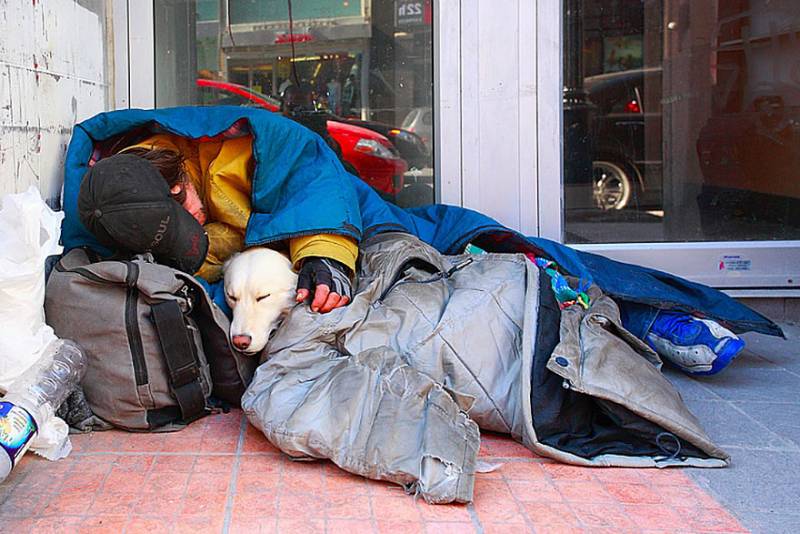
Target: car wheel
613 186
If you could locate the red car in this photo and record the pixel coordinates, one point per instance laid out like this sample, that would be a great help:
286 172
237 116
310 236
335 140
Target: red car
374 157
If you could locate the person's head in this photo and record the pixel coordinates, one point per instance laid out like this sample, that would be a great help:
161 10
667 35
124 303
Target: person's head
169 164
298 98
127 205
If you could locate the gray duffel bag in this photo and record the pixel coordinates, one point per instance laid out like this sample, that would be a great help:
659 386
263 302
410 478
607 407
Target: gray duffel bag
156 345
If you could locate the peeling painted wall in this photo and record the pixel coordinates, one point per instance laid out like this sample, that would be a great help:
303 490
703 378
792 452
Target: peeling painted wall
53 73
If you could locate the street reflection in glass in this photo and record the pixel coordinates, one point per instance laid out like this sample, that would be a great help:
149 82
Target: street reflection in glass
357 72
682 120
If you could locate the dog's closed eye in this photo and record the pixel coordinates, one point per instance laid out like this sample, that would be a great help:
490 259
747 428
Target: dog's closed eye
262 297
232 298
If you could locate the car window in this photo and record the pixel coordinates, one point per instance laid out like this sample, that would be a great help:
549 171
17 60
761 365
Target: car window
207 96
232 99
427 118
212 96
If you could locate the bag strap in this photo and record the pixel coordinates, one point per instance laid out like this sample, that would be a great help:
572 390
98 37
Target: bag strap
179 354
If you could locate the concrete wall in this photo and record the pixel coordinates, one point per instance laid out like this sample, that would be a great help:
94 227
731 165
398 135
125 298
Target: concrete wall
53 73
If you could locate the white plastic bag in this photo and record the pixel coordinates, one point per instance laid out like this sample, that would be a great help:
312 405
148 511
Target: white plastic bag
29 233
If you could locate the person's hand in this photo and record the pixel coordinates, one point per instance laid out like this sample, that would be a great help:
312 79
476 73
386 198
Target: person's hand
329 282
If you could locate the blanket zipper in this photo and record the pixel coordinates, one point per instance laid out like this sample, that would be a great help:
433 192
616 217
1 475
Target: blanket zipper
132 324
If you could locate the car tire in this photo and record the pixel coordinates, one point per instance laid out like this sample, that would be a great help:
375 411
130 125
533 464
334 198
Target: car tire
612 187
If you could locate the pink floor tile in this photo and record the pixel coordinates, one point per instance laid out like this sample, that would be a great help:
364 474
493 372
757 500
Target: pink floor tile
505 528
395 509
349 526
123 480
348 484
159 504
114 504
300 525
715 519
583 491
546 515
218 476
348 507
598 516
254 482
655 516
523 471
181 463
252 525
68 504
99 524
254 441
444 512
535 490
568 472
255 505
634 493
300 505
450 528
400 527
261 464
502 447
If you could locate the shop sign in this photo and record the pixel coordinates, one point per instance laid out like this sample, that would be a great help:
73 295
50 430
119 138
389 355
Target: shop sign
412 12
284 38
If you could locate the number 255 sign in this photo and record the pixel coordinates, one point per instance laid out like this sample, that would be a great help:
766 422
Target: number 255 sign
411 12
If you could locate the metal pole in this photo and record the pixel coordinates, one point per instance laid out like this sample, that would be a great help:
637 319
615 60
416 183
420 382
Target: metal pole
578 174
573 59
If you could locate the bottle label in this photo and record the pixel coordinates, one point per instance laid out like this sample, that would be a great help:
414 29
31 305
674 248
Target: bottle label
17 429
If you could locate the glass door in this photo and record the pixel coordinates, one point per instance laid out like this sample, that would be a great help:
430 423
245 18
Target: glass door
681 136
359 72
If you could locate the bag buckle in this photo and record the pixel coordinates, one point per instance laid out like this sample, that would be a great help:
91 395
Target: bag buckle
185 375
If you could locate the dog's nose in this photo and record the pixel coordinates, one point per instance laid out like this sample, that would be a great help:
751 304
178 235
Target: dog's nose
242 341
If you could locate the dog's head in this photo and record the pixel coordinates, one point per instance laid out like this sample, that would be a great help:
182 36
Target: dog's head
260 288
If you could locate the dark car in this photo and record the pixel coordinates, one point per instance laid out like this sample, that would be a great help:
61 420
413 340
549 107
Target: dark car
626 135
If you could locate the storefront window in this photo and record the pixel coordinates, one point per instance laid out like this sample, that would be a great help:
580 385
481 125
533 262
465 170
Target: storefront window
682 120
357 71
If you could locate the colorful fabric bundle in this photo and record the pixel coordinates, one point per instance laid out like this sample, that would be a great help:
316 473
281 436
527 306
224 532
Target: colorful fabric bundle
565 295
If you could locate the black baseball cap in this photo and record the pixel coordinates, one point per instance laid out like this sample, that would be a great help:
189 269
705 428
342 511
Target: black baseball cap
125 202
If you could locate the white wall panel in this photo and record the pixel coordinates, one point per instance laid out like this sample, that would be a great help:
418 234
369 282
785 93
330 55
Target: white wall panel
498 107
52 75
447 101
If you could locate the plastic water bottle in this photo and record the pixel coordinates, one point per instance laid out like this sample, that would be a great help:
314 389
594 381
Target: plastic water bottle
33 398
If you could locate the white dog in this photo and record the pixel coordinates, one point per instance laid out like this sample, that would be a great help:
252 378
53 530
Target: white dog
260 288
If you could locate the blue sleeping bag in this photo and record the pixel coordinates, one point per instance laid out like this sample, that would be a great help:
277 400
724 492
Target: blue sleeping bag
300 188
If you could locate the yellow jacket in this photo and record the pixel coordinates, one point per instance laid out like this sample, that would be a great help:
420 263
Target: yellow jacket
220 171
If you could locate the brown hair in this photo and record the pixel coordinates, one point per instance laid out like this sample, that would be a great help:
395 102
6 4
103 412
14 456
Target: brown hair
169 163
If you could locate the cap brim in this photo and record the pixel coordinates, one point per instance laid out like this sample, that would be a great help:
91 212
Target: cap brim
185 245
164 228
